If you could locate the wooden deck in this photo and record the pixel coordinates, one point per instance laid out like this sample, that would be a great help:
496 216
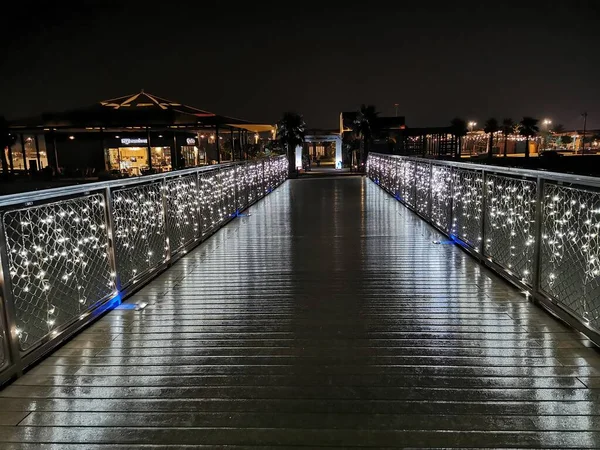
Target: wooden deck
327 317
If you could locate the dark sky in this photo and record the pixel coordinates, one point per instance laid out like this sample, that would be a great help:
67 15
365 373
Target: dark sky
255 61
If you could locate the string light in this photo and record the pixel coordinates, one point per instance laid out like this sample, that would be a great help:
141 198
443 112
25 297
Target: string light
58 258
570 238
58 253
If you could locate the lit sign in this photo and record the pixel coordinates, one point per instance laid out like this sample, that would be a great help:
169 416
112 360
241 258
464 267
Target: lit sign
128 141
191 141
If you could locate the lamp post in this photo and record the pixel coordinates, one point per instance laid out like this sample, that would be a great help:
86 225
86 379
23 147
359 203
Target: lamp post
472 125
583 135
546 123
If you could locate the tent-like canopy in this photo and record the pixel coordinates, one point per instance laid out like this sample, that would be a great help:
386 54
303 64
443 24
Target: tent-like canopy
137 110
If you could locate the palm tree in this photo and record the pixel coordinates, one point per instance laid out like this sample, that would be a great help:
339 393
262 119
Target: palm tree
508 127
459 129
556 134
6 140
490 127
528 129
291 130
364 127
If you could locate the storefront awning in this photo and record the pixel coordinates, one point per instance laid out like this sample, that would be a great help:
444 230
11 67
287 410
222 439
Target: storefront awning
255 128
139 110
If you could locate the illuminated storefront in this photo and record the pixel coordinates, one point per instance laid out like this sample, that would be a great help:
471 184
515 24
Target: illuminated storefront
129 136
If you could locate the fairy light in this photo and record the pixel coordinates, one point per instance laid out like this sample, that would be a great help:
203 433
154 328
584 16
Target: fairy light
509 224
57 253
571 249
570 238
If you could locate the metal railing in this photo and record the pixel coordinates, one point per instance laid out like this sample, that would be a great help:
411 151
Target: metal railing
69 254
539 230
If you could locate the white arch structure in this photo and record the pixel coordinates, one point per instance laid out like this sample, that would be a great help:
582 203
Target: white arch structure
322 138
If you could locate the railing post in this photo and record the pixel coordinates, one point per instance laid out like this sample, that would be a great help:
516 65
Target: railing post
199 205
430 192
163 190
537 236
450 221
8 306
484 189
110 232
414 184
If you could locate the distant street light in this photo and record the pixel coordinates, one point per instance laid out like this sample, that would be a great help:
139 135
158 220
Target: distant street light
583 136
546 123
472 125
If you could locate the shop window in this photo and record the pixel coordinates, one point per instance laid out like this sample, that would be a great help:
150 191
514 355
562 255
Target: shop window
161 159
190 155
31 155
132 161
18 162
43 152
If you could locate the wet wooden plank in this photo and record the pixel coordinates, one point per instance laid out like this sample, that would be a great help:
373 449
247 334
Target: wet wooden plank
327 318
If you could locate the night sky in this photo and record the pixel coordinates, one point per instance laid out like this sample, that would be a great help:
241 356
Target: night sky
463 59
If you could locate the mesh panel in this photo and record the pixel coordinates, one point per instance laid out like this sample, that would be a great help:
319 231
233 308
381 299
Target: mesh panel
254 180
408 182
398 176
242 184
140 241
510 224
422 175
467 196
570 253
227 184
183 224
58 263
210 200
441 196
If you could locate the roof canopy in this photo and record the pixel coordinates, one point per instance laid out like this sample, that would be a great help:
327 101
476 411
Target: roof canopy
137 110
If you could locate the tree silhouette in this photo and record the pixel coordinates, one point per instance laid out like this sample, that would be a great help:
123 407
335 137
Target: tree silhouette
528 129
364 127
291 130
7 140
459 129
508 127
490 127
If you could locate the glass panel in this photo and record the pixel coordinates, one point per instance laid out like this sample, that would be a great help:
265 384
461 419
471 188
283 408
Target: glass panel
202 156
7 159
111 157
225 148
161 159
190 155
43 152
31 153
132 161
17 155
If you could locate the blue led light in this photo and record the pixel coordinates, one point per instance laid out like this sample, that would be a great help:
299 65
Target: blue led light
126 306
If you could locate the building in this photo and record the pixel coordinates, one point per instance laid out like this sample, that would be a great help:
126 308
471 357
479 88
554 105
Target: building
387 132
130 135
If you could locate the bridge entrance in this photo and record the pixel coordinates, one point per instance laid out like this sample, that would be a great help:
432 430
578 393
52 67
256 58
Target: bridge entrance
320 150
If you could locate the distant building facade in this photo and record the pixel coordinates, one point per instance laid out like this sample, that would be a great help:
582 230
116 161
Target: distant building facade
131 135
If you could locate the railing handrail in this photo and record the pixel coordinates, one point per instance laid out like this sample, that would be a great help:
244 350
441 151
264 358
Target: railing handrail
551 255
68 254
584 180
76 189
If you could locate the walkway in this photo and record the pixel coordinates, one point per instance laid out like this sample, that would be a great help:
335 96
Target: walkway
328 317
